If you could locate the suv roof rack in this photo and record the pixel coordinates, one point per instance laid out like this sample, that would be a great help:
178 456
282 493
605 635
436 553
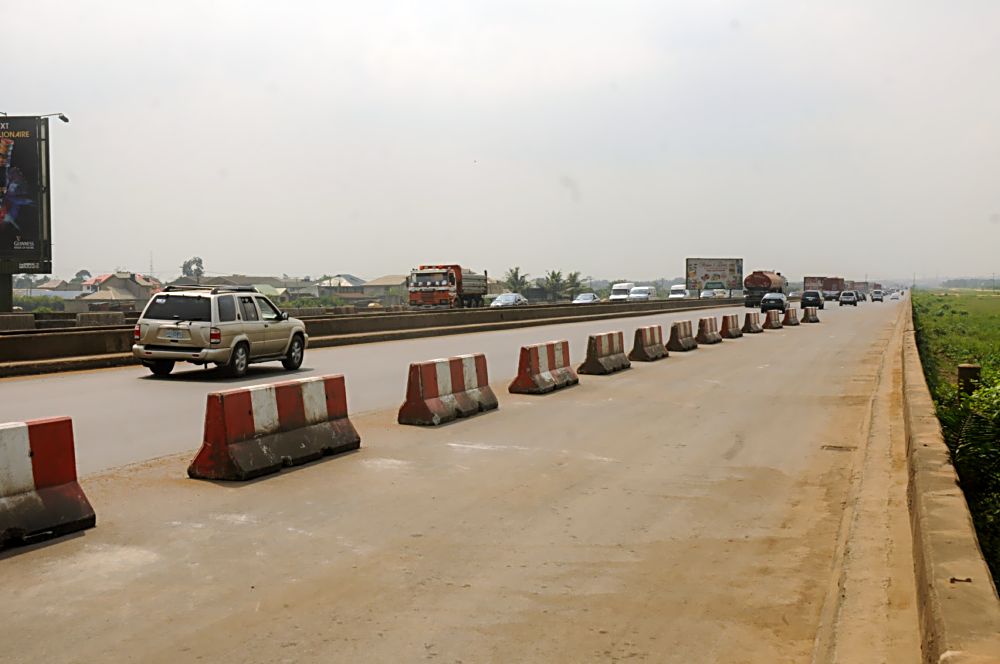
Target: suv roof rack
213 289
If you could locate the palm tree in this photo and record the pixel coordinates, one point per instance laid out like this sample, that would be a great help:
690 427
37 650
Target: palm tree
515 281
573 284
554 284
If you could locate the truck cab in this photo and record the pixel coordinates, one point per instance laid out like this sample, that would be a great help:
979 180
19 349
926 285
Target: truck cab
445 287
619 292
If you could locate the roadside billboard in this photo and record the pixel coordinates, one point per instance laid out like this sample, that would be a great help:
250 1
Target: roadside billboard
25 238
812 283
701 271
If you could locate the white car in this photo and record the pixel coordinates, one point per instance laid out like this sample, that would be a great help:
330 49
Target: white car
642 294
586 298
677 292
619 292
721 292
707 294
894 296
849 297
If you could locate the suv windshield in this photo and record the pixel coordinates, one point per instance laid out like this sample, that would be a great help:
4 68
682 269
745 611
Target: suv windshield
619 291
430 279
179 307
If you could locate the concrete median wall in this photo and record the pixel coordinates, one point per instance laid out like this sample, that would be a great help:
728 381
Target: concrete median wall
41 345
958 604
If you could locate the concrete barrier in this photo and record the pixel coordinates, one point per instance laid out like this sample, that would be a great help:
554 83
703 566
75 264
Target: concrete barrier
17 321
39 493
772 320
731 327
682 337
605 354
543 368
255 431
791 318
810 315
751 324
442 390
708 331
648 344
957 601
298 312
99 318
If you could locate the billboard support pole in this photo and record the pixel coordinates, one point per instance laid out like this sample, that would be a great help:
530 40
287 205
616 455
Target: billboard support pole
6 293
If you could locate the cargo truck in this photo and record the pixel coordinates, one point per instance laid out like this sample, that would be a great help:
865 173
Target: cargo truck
761 282
446 287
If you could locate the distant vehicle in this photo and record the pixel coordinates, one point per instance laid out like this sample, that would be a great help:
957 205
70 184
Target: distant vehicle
894 296
707 294
587 298
758 283
794 293
642 294
878 296
813 298
861 296
720 292
825 284
849 297
773 301
445 287
229 326
677 292
619 292
831 295
509 300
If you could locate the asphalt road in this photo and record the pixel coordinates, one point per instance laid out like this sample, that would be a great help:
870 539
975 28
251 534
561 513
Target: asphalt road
739 503
125 415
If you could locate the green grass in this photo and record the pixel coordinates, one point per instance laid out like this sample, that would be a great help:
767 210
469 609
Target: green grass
955 327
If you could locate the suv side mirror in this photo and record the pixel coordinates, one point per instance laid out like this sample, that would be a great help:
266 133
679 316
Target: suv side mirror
284 315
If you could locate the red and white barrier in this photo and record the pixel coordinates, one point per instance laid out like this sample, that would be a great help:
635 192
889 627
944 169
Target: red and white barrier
810 315
751 324
731 327
254 431
543 368
682 337
772 320
605 354
648 344
39 493
708 331
442 390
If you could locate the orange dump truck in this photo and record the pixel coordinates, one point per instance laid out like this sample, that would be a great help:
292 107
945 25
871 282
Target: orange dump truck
446 287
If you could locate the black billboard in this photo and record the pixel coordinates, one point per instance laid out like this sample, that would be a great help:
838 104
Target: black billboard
25 225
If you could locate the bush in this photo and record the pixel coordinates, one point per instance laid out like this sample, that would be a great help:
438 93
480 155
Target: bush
952 329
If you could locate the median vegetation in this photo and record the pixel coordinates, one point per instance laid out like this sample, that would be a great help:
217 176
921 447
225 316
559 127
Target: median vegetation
955 327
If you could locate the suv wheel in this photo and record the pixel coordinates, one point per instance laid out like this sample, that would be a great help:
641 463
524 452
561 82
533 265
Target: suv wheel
239 361
162 367
296 352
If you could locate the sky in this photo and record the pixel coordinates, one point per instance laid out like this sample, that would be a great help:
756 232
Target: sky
851 138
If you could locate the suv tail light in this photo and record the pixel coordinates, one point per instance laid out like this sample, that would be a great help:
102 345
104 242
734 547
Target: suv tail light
215 335
136 333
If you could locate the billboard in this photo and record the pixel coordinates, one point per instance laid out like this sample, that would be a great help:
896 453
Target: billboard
25 240
701 271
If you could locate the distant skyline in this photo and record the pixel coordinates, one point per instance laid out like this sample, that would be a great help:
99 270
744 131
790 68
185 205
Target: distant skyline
614 139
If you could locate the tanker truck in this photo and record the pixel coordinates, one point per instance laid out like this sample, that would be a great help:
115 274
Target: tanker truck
760 282
446 287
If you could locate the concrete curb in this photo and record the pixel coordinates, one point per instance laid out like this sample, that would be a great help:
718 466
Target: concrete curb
958 604
87 362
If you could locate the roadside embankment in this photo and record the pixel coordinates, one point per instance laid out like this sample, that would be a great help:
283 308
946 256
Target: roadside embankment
959 608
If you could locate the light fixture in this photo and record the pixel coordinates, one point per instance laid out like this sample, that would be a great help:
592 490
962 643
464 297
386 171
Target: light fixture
56 115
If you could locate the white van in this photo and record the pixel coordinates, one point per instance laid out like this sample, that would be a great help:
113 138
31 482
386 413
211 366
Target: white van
677 292
642 294
619 292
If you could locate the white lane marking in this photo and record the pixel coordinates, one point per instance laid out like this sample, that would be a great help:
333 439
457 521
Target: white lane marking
314 400
265 409
15 460
489 448
236 519
386 464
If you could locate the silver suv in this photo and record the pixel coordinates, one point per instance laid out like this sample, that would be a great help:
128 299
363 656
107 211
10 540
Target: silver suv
230 326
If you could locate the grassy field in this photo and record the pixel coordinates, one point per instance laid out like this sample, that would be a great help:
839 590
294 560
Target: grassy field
953 327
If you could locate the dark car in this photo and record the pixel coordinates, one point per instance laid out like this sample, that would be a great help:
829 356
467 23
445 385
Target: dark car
773 301
812 298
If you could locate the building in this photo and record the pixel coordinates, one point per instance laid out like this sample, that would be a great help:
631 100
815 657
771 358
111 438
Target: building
119 291
388 289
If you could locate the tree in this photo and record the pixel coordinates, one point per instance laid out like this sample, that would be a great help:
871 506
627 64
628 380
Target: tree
554 284
515 281
573 284
193 267
81 277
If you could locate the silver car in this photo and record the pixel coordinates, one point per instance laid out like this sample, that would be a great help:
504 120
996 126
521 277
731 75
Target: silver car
229 326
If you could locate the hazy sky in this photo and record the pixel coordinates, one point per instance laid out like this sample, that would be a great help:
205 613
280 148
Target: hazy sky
614 138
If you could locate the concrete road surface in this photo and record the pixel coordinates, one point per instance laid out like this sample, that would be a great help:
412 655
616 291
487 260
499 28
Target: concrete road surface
739 503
